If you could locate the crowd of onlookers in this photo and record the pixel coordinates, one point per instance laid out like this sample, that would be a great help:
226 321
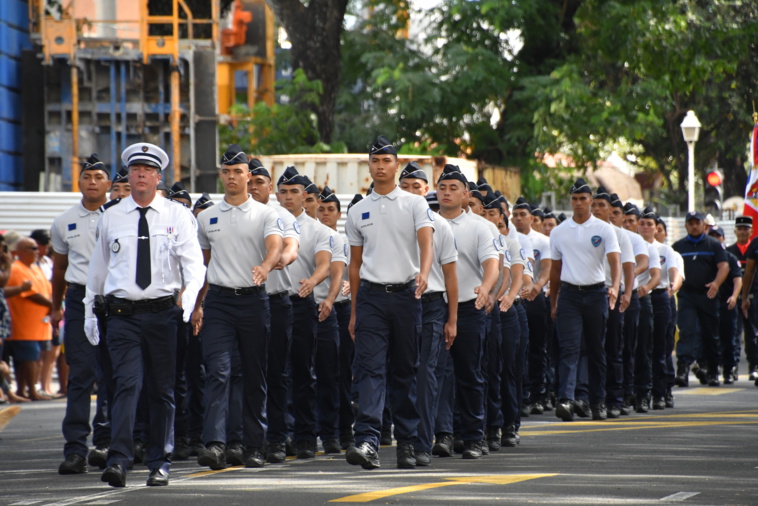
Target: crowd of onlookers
26 271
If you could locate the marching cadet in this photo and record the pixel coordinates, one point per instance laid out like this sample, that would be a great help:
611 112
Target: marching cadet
537 216
120 187
728 295
614 334
241 241
278 286
646 282
146 249
580 308
390 235
178 193
746 325
659 297
310 203
309 269
478 270
438 320
328 338
705 269
201 204
523 220
549 222
73 239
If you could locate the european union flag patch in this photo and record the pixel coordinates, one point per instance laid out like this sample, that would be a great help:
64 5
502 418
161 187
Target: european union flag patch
214 221
365 215
72 226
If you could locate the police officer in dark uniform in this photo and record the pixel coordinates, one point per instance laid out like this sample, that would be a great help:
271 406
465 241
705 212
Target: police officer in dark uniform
743 229
705 269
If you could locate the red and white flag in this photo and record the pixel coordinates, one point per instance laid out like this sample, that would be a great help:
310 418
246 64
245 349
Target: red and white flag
751 188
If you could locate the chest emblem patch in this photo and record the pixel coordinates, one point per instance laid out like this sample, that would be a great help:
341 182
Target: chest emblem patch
596 240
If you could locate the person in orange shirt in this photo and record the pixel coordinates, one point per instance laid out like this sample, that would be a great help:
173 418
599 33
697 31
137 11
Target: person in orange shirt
30 317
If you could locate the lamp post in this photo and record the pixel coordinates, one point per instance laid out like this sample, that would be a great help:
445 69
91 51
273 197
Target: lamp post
691 132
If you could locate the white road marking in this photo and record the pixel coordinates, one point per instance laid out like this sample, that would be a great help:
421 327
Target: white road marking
679 496
25 503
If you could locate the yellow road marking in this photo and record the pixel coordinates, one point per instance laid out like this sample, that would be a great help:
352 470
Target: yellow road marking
708 391
532 432
493 480
209 473
7 415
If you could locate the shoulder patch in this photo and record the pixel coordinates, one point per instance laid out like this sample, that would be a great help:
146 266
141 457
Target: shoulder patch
496 243
596 240
536 254
530 266
110 204
344 249
508 255
331 242
296 227
663 259
502 241
280 224
523 254
430 213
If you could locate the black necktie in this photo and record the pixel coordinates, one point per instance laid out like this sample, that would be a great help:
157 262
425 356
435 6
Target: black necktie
143 249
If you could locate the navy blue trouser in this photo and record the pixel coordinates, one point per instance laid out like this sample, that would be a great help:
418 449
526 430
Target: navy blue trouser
235 422
551 375
631 323
235 324
522 365
444 422
328 377
143 346
580 319
303 366
643 355
86 364
181 394
195 372
347 350
727 335
433 318
277 374
538 317
510 331
670 337
661 322
467 353
698 330
388 325
493 367
614 357
749 327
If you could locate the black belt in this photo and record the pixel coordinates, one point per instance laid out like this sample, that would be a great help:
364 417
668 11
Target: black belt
658 291
517 302
245 290
295 298
583 288
126 307
278 295
429 297
387 288
76 286
342 303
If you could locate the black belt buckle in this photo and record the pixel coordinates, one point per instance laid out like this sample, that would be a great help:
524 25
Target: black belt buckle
241 291
517 301
430 297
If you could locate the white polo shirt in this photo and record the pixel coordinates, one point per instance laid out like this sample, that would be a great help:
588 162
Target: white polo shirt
346 275
337 247
654 263
236 238
514 255
386 227
640 248
541 250
627 256
279 280
475 245
445 252
668 261
679 262
528 252
73 234
582 248
314 237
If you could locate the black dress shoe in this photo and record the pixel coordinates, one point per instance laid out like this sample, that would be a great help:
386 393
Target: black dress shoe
406 456
682 376
305 449
700 375
289 447
614 412
659 403
195 447
444 445
484 447
525 410
181 449
332 445
253 457
363 455
458 445
235 454
713 380
565 410
74 464
98 456
277 453
582 409
669 400
472 450
114 476
643 404
599 412
626 409
214 456
510 438
493 439
423 458
537 408
157 478
139 451
386 438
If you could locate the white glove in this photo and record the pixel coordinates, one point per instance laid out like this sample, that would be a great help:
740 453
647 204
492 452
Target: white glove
92 331
188 305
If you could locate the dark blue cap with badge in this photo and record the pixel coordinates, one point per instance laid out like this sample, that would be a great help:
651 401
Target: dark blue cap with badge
382 146
291 177
743 221
549 213
327 195
616 201
476 194
122 176
178 191
256 168
536 211
472 186
93 163
581 186
233 156
310 186
357 198
413 171
521 203
717 231
631 210
204 202
483 186
490 201
602 194
431 199
649 214
450 172
693 215
562 217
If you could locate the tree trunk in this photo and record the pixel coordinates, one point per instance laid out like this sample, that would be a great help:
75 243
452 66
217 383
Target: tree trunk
315 31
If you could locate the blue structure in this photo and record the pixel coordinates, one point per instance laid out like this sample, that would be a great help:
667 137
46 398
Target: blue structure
14 38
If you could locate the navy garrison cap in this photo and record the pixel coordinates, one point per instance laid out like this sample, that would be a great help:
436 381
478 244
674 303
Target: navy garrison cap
549 213
521 203
310 186
452 172
562 217
477 195
431 199
649 214
616 201
93 163
233 156
256 168
291 177
581 186
327 195
357 198
178 191
602 194
490 201
122 176
204 202
382 146
536 211
413 171
631 209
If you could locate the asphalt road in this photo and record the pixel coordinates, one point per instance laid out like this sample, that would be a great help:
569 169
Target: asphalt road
704 451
